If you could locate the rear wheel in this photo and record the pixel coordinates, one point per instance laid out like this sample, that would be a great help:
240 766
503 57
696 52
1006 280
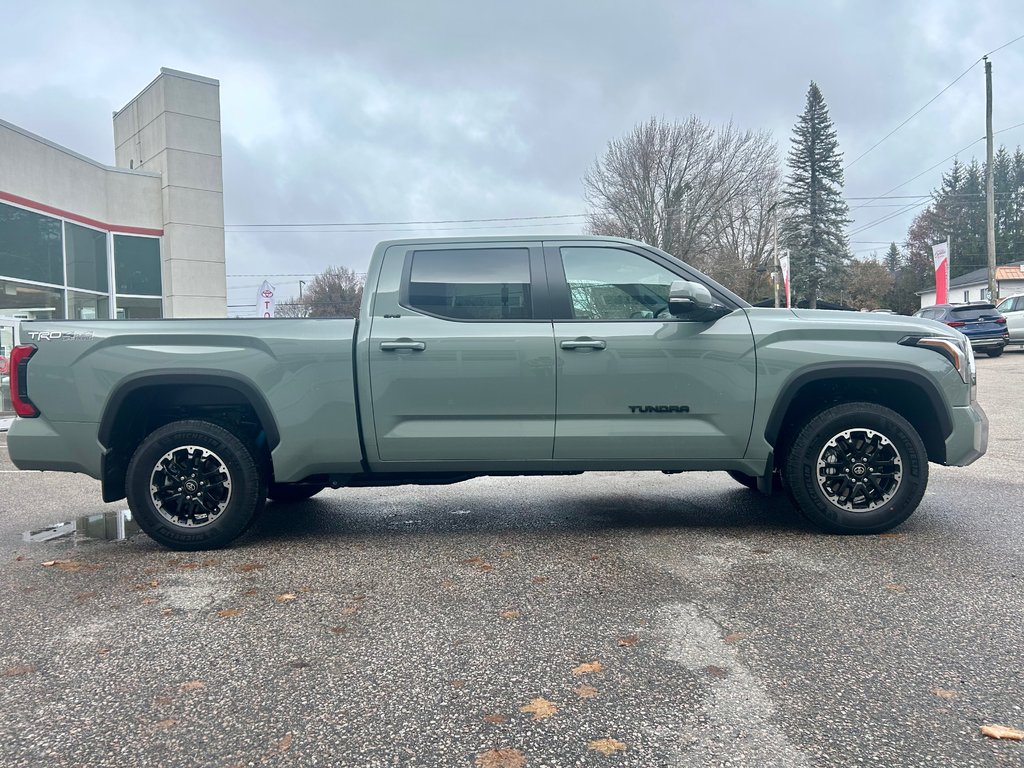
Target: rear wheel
193 485
857 468
285 492
994 352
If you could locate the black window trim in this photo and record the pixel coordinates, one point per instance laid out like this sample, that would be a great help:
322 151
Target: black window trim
558 286
539 295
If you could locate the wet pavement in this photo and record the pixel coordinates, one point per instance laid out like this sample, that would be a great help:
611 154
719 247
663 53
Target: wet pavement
631 619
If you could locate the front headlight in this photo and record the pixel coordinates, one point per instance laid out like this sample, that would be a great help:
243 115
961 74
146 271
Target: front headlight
956 349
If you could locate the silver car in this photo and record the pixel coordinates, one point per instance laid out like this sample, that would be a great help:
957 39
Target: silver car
1013 308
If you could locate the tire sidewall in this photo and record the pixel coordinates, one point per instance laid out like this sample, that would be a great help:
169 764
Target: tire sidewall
248 490
803 458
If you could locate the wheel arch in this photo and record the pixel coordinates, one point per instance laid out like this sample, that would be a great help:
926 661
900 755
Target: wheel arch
146 402
901 388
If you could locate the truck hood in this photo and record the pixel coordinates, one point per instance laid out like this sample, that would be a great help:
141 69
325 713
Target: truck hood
852 322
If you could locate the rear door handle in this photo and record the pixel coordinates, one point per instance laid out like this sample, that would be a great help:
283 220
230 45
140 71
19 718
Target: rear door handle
583 344
388 346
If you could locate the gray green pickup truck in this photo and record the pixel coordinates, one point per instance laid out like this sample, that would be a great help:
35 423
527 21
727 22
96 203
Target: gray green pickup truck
499 356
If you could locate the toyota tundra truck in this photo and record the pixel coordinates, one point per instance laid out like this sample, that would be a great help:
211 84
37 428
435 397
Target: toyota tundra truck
499 356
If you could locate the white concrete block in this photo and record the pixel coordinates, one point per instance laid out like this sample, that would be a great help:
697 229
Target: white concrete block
193 170
193 243
193 206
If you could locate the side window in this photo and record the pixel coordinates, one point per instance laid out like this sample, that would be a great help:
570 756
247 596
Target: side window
472 283
613 284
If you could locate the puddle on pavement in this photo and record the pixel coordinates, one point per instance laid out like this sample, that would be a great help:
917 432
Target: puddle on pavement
110 526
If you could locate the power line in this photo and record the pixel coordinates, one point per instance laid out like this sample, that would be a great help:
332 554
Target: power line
930 101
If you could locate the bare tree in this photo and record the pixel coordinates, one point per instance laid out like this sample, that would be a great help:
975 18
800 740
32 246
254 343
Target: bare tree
694 191
335 292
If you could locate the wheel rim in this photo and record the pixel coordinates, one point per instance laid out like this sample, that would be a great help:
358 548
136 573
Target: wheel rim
190 486
859 470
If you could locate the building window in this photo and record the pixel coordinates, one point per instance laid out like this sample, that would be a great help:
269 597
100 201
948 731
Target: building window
967 296
30 302
88 306
30 246
137 265
472 283
86 257
134 308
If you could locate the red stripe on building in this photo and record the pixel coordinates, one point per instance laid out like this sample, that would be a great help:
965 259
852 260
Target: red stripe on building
43 208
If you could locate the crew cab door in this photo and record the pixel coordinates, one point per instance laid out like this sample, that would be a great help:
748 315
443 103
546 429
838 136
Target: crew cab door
633 381
461 355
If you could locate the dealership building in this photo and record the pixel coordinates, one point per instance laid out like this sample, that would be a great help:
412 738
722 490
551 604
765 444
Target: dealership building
141 239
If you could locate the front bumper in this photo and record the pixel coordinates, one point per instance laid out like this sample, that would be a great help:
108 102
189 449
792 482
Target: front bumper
969 439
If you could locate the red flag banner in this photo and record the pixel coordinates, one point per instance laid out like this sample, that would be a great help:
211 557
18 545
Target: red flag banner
940 255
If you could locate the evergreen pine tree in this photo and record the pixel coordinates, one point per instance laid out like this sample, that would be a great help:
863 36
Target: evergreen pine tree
815 212
893 259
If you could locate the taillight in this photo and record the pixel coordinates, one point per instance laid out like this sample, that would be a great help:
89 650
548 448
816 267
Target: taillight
956 323
20 356
1000 321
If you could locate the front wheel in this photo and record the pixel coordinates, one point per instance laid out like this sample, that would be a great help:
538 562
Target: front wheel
857 468
193 485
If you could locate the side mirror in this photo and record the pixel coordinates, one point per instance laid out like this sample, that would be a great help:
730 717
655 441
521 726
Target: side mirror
692 301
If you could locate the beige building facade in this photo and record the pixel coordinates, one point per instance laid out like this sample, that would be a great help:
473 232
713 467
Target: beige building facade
141 239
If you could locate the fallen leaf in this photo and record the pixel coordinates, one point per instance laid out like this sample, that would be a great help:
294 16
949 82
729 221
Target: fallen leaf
586 691
1002 732
249 567
163 701
447 584
148 600
540 579
486 568
506 553
338 630
595 557
285 598
942 693
495 719
607 746
250 593
284 744
154 583
358 597
715 671
895 587
85 595
734 637
511 613
628 640
193 685
165 724
102 651
298 664
166 611
540 708
501 758
458 683
19 558
19 669
590 666
474 560
71 566
49 563
229 613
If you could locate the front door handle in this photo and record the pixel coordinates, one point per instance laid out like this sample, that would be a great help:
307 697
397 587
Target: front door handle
387 346
583 344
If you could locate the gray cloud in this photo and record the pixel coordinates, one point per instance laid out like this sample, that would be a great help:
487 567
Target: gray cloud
411 110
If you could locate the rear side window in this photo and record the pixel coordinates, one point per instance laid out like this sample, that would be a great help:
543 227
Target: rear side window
973 313
472 283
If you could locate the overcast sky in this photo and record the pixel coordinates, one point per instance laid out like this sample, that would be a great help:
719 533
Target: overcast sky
398 111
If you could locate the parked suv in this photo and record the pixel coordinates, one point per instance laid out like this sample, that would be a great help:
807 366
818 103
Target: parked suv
1012 308
983 324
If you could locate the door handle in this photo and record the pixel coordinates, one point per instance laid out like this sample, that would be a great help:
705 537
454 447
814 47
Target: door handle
583 344
387 346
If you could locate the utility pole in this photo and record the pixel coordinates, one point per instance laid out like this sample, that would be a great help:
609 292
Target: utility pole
990 197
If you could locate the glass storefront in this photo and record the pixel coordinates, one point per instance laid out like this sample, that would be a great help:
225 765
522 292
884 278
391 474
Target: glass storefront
51 268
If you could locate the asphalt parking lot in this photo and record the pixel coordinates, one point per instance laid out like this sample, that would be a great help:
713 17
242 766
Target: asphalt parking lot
632 619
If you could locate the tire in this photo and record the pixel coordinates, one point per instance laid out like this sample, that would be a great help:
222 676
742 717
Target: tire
853 439
219 511
994 352
286 492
